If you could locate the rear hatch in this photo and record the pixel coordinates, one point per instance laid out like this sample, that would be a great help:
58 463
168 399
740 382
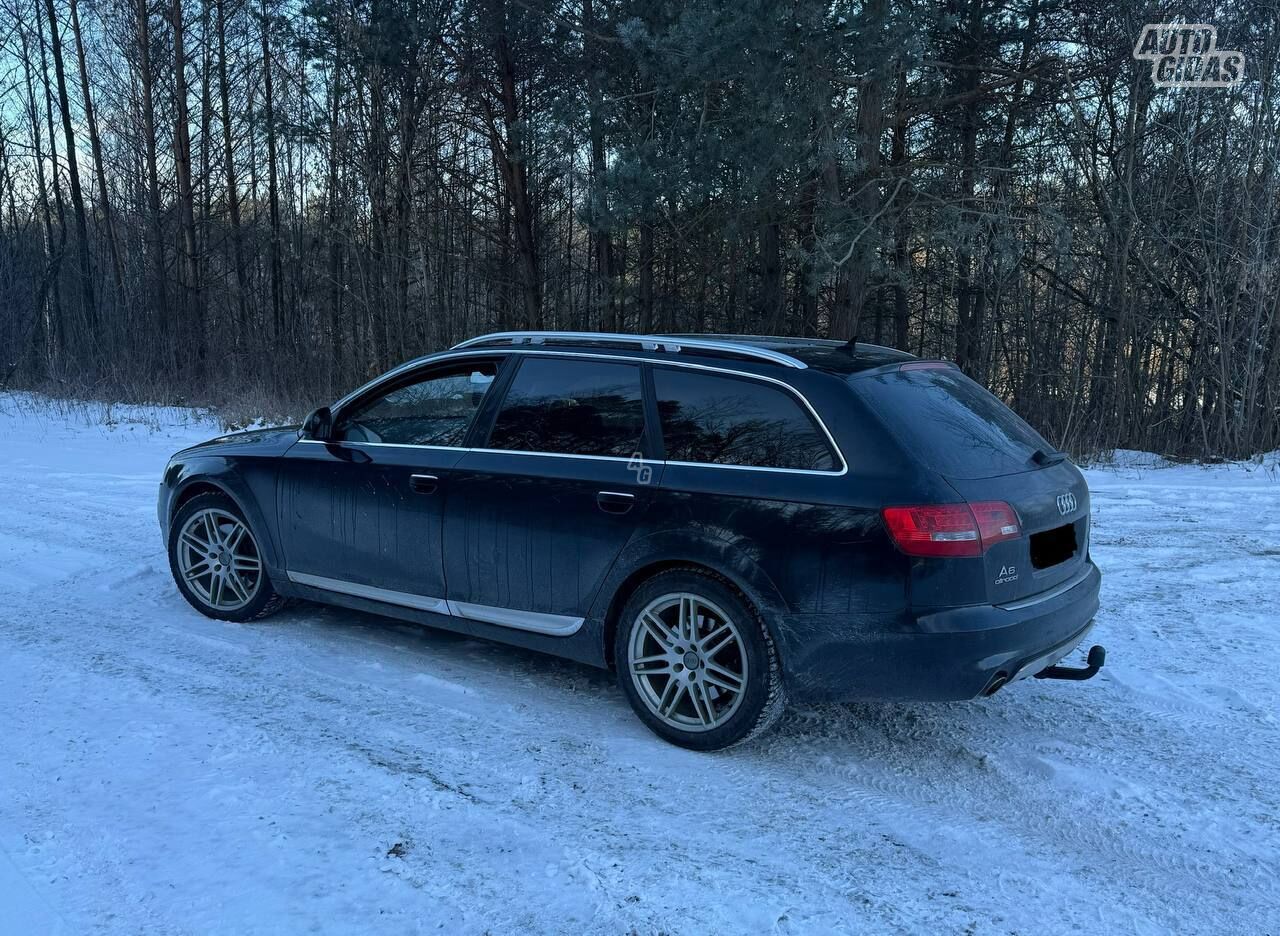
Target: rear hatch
986 452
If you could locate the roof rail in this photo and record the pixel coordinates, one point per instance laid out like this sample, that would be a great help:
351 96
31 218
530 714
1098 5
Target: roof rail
644 342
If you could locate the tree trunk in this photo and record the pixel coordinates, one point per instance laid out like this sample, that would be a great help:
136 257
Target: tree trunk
335 245
206 176
273 196
901 257
91 124
772 306
969 296
73 174
843 323
186 197
155 236
510 152
867 182
602 254
233 190
645 275
57 336
53 252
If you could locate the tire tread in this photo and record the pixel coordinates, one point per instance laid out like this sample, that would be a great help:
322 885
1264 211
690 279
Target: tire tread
775 703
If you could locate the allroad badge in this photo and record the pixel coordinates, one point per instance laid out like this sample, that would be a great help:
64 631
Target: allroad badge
1066 503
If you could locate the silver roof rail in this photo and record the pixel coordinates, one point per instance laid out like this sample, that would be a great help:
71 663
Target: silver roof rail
644 342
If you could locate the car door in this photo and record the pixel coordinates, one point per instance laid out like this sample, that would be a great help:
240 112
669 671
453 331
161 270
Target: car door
538 512
362 512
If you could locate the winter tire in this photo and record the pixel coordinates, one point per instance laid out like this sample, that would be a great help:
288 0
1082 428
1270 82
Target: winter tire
696 661
216 562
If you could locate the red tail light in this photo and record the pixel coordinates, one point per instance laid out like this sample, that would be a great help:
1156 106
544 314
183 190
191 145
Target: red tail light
996 522
951 529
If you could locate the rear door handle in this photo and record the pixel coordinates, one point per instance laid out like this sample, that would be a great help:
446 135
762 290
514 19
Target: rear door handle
424 483
615 502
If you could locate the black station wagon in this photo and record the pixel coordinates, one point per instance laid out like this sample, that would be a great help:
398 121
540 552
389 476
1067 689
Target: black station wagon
728 521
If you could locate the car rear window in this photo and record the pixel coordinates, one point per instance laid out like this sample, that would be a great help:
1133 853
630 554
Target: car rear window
955 426
572 407
719 420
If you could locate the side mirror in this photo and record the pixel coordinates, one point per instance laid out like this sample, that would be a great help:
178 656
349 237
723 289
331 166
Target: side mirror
318 425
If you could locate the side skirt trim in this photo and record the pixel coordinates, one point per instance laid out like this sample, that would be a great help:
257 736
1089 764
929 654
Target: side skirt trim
538 622
421 602
554 625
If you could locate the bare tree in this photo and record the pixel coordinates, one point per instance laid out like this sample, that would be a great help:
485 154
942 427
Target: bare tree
353 182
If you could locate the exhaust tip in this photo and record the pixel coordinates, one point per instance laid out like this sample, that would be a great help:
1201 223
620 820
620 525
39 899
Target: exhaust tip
996 684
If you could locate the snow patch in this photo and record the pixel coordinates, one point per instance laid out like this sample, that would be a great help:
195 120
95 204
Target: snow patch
329 771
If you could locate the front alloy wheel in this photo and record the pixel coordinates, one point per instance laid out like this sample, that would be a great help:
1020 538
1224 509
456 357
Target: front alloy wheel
219 560
215 560
696 662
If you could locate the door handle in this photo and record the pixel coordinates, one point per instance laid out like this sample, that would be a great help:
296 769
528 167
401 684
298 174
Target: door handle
615 502
423 483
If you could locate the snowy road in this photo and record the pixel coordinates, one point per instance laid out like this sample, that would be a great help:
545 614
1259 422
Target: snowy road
327 771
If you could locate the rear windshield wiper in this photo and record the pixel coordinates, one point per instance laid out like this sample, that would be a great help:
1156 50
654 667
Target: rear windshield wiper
1045 459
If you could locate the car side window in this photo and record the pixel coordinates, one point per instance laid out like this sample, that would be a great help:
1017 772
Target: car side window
571 407
722 420
436 410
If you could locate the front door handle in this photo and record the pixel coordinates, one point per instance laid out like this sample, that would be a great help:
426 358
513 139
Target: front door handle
424 483
615 502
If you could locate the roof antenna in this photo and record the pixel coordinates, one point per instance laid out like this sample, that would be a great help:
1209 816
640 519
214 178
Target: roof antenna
851 345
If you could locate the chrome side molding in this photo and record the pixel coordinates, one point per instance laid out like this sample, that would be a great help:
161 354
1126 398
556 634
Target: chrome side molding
471 352
404 599
537 622
554 625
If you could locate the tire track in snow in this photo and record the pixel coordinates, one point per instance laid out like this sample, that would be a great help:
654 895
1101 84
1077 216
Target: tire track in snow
522 791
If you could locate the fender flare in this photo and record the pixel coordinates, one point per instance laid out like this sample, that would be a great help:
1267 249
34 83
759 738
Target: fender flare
650 554
221 474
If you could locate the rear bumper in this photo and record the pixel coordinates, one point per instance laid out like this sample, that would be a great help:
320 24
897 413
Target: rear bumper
952 654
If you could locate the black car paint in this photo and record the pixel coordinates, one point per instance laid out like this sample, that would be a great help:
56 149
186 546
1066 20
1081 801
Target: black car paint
851 615
350 507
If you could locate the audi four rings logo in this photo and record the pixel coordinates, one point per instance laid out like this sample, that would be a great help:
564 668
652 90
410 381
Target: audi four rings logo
1066 503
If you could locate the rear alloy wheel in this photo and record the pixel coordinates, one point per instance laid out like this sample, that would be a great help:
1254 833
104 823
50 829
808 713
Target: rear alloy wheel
216 563
696 662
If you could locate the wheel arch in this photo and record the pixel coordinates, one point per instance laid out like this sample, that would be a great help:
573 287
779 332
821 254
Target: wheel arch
193 489
715 557
222 478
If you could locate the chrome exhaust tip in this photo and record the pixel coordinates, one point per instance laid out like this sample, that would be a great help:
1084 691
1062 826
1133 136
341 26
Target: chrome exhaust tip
996 684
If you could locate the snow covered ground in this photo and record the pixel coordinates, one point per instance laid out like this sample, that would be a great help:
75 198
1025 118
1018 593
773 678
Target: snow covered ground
327 771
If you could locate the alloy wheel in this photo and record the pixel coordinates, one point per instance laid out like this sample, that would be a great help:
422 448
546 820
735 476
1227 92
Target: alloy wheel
688 662
218 559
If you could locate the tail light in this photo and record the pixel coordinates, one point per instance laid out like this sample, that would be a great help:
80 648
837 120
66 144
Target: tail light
951 530
996 522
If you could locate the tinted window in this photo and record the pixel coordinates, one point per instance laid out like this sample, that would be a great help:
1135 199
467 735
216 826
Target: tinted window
730 421
954 425
571 407
434 411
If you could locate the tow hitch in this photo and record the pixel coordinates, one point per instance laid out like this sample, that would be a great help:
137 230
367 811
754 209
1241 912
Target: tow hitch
1097 657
